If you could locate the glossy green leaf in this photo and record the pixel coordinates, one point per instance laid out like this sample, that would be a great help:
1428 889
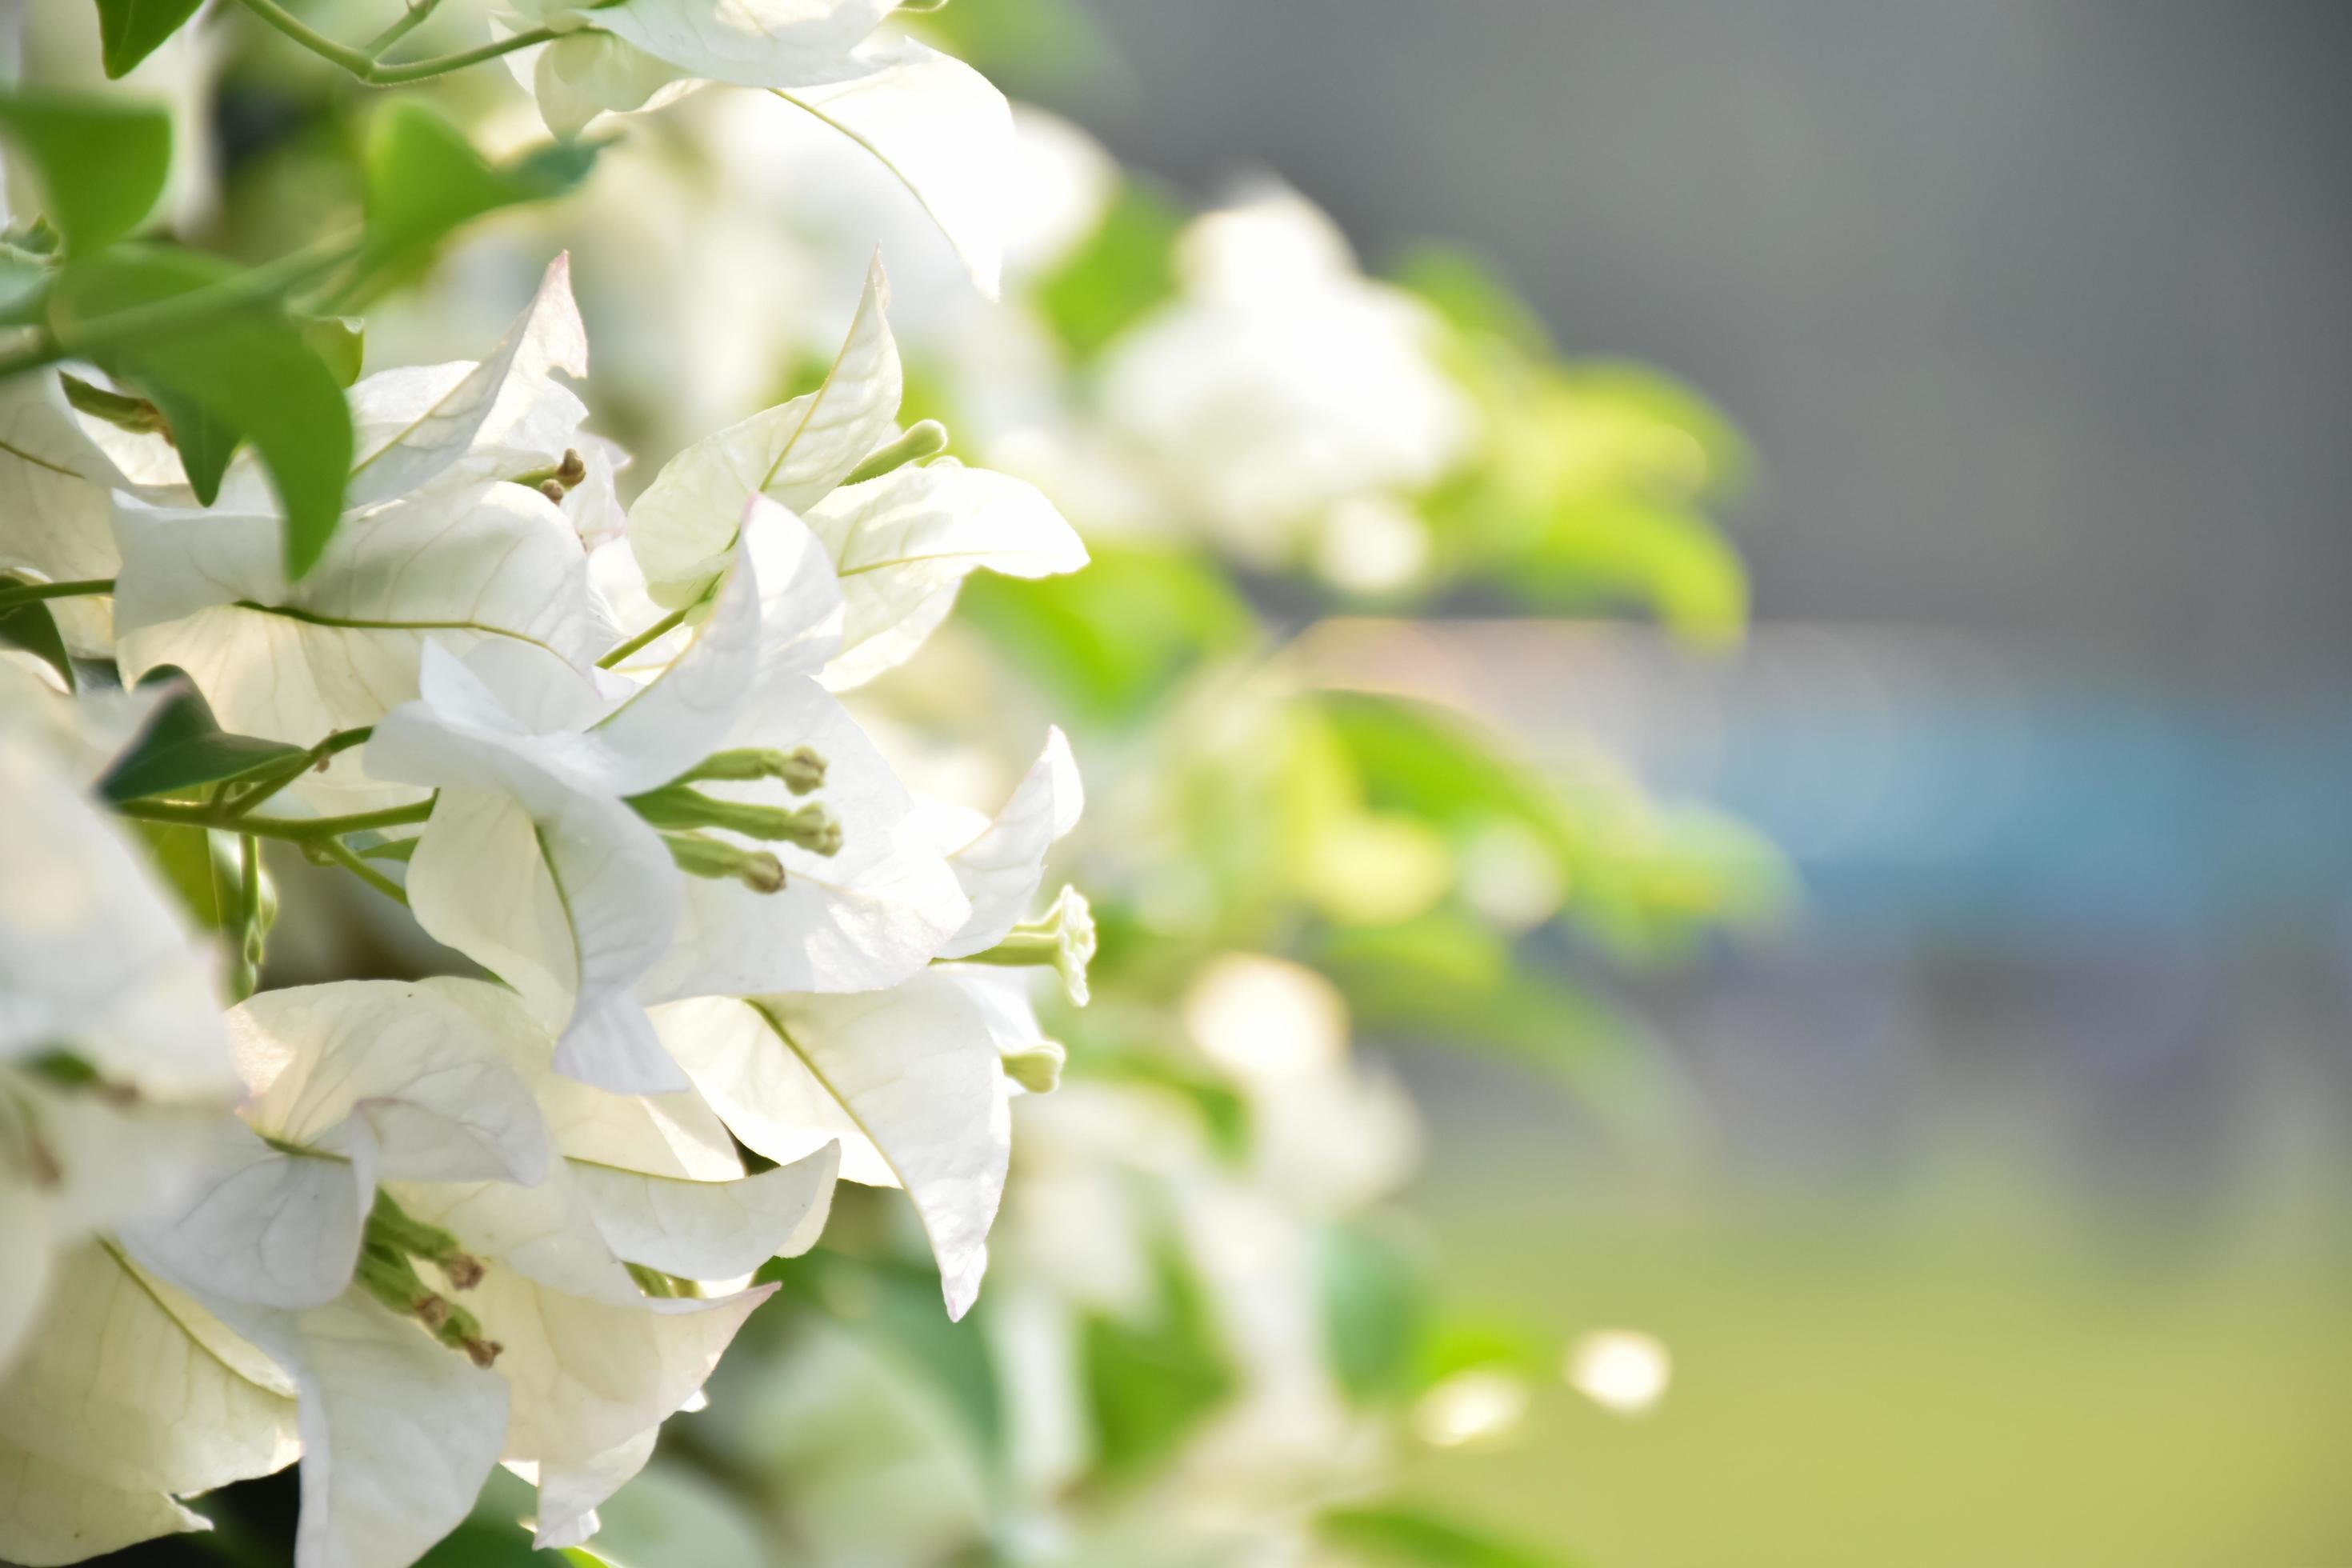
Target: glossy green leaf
239 372
1405 1535
185 747
425 179
30 626
131 30
340 344
102 163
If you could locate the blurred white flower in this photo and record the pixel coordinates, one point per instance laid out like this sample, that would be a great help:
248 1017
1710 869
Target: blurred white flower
1621 1370
1281 382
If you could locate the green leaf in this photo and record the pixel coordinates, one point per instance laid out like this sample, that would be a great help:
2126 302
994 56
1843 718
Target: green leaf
131 30
425 179
1128 266
197 866
1400 1533
30 626
1375 1310
1149 1380
102 163
340 342
186 747
204 442
1109 639
240 373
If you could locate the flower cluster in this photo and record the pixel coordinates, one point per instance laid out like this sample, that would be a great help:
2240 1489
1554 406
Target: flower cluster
412 1230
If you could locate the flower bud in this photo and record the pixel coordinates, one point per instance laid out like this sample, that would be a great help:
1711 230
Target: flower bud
800 769
924 438
1038 1068
720 862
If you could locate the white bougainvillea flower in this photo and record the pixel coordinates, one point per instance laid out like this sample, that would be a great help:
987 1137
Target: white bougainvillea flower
548 1260
910 1082
94 958
56 497
139 1396
901 543
933 121
437 547
111 1054
348 1086
880 906
296 662
1001 864
1281 381
534 863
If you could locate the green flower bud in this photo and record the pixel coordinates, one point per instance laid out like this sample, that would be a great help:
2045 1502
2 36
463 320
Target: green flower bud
722 861
800 769
924 438
1038 1068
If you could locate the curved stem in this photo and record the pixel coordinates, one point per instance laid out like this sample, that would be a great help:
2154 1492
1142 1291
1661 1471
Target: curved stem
352 60
409 21
340 853
32 592
417 70
366 66
270 784
643 639
298 830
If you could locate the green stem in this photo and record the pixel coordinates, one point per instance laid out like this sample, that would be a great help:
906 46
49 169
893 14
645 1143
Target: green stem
368 68
297 830
340 853
32 592
352 60
417 70
651 635
379 46
270 784
249 916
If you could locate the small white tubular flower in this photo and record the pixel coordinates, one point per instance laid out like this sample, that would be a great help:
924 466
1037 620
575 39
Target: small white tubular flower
1001 864
901 543
877 909
1281 381
933 121
55 501
540 1267
532 863
908 1081
453 424
350 1085
648 1190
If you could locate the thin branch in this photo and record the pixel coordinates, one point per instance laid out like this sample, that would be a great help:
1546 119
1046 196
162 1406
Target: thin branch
646 638
297 830
340 853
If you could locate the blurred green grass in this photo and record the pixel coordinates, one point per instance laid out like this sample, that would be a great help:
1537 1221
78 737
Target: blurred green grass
1932 1381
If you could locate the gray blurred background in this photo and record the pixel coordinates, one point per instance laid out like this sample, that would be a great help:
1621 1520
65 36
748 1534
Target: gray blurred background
2012 1226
